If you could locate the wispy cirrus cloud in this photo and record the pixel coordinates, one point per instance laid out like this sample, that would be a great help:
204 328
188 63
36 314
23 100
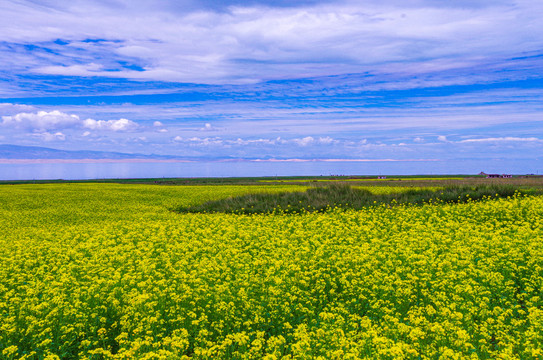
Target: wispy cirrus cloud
14 108
250 42
502 139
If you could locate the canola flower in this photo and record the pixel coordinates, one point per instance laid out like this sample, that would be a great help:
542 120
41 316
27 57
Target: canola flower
106 271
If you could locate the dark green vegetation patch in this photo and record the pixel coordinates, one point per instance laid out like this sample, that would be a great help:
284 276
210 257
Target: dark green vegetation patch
324 198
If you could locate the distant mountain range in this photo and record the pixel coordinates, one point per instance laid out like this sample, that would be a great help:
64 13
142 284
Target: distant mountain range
35 152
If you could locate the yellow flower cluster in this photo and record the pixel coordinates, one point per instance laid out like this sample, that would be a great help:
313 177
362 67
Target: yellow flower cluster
107 271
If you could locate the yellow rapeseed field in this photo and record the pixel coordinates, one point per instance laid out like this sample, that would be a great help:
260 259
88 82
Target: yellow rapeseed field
107 271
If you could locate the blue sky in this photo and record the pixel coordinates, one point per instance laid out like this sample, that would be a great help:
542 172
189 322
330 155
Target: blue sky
388 79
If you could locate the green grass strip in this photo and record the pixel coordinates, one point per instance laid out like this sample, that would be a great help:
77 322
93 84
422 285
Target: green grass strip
325 198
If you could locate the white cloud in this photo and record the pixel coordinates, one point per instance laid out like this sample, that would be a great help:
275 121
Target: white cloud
442 138
309 140
326 140
47 136
56 120
91 69
14 108
304 141
42 120
240 141
418 139
207 127
114 125
205 141
158 124
86 133
199 141
163 130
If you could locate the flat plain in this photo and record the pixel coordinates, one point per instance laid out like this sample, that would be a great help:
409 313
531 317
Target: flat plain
109 271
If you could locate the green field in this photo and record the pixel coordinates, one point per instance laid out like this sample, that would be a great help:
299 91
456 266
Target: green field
109 271
368 179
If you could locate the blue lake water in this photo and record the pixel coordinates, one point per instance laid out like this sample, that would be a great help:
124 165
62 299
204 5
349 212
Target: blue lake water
73 171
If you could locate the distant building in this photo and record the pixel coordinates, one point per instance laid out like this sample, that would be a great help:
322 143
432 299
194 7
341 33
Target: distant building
499 176
381 177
